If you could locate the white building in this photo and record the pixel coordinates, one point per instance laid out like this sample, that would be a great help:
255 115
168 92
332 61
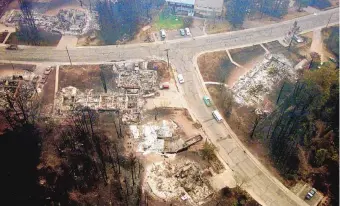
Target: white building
182 6
199 7
209 7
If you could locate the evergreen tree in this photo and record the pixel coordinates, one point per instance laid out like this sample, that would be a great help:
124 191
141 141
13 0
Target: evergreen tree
236 11
28 30
302 3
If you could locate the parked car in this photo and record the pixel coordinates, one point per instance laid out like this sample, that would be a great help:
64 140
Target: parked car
164 85
311 194
136 66
47 70
217 116
180 78
187 31
298 39
182 32
332 59
12 47
207 100
163 34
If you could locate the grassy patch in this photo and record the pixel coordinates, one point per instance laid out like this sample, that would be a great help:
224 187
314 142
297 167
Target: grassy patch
215 66
244 55
218 27
163 21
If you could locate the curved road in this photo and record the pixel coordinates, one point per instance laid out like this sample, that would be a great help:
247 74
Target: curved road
257 181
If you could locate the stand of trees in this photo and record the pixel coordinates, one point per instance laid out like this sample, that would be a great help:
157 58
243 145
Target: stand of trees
28 30
122 19
237 10
307 122
68 163
332 42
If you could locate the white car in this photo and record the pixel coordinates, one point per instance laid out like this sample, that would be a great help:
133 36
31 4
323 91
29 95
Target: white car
163 34
180 78
298 39
187 31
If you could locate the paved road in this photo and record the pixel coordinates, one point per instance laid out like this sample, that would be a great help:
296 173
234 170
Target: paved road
264 187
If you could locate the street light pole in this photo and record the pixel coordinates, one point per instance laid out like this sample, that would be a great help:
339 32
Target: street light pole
329 19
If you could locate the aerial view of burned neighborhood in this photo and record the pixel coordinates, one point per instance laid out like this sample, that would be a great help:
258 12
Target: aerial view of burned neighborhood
169 102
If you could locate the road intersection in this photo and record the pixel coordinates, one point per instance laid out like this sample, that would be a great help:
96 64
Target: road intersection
183 54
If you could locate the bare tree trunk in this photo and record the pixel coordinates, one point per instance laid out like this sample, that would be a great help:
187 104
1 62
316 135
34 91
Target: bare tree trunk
257 121
127 191
117 157
278 98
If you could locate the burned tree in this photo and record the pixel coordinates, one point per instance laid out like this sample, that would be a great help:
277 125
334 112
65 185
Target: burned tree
21 107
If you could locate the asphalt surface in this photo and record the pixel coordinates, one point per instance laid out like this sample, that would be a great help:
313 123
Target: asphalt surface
183 53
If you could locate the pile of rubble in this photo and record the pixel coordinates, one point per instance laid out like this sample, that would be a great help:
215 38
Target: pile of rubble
252 87
10 85
67 21
133 85
183 180
152 137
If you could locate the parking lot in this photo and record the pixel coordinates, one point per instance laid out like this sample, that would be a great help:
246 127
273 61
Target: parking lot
175 34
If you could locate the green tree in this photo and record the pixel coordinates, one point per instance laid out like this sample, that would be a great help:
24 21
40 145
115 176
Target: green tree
320 156
275 8
208 151
332 42
323 79
237 11
302 3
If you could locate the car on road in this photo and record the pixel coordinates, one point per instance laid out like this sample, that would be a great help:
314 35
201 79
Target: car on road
207 101
12 47
163 34
217 116
311 194
180 78
182 32
187 31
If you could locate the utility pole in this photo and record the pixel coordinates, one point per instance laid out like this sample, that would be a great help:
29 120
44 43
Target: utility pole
68 54
329 19
167 56
11 64
294 30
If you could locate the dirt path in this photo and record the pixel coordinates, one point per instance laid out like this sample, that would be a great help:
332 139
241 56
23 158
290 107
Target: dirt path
317 44
56 86
67 41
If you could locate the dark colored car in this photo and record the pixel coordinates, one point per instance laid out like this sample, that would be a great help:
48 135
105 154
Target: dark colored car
12 47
